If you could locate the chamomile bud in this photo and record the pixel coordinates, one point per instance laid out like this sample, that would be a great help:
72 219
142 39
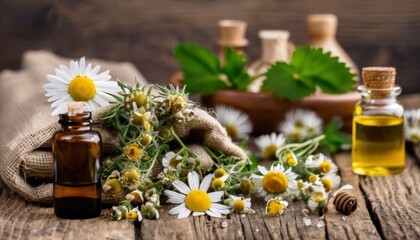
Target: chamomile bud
219 173
291 159
140 98
135 196
146 139
276 206
246 187
112 186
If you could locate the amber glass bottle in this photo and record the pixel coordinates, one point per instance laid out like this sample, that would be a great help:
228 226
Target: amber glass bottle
77 167
378 125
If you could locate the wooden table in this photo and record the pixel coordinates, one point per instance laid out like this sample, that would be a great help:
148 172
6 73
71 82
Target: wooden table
389 207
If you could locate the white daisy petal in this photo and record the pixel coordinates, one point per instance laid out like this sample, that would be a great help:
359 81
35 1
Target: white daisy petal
195 214
185 213
182 187
104 76
60 101
193 180
219 206
82 67
262 170
88 70
60 109
216 196
175 197
178 209
95 70
214 213
205 184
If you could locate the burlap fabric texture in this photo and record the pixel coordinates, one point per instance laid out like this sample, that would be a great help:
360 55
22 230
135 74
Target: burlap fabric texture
27 126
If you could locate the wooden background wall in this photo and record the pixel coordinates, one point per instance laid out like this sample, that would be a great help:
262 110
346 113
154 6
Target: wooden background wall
374 32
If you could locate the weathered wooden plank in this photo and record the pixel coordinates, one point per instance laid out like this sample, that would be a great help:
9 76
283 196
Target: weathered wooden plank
239 226
358 225
143 32
394 201
22 220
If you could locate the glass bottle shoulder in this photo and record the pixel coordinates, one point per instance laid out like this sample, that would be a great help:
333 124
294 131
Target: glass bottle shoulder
81 136
373 108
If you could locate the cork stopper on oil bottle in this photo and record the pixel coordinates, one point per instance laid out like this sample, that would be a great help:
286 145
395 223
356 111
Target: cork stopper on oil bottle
381 80
232 34
74 108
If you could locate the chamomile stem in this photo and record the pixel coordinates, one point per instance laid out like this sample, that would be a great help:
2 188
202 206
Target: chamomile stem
296 146
178 139
154 160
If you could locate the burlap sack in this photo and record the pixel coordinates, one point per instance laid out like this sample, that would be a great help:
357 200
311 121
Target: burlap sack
27 126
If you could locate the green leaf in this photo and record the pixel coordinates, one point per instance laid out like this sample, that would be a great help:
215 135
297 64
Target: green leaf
282 82
309 67
335 140
235 69
201 68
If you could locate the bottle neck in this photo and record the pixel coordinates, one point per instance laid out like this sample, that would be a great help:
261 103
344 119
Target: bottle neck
274 50
81 122
380 96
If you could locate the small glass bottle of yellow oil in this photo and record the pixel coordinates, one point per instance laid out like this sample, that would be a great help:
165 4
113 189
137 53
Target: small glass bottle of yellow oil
378 125
76 151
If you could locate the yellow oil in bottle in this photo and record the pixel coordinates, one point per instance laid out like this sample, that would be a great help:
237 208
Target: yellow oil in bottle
378 145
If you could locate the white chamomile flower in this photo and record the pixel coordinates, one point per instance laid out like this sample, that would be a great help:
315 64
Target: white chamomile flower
412 118
318 199
171 160
276 206
134 215
268 144
240 204
412 134
330 181
300 125
237 123
79 83
320 162
277 182
194 198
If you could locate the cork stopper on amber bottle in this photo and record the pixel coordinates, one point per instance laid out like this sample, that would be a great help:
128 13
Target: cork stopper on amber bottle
74 108
379 77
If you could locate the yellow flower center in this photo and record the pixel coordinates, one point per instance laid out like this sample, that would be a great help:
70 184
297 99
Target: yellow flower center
327 184
275 182
298 124
133 152
139 98
232 131
313 178
220 172
300 185
296 135
270 151
318 196
146 139
198 201
217 184
82 88
113 187
174 162
239 205
325 167
131 175
274 208
138 118
311 130
246 186
292 162
131 216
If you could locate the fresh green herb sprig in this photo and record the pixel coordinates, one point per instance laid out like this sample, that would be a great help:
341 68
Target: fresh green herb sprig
204 73
309 68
